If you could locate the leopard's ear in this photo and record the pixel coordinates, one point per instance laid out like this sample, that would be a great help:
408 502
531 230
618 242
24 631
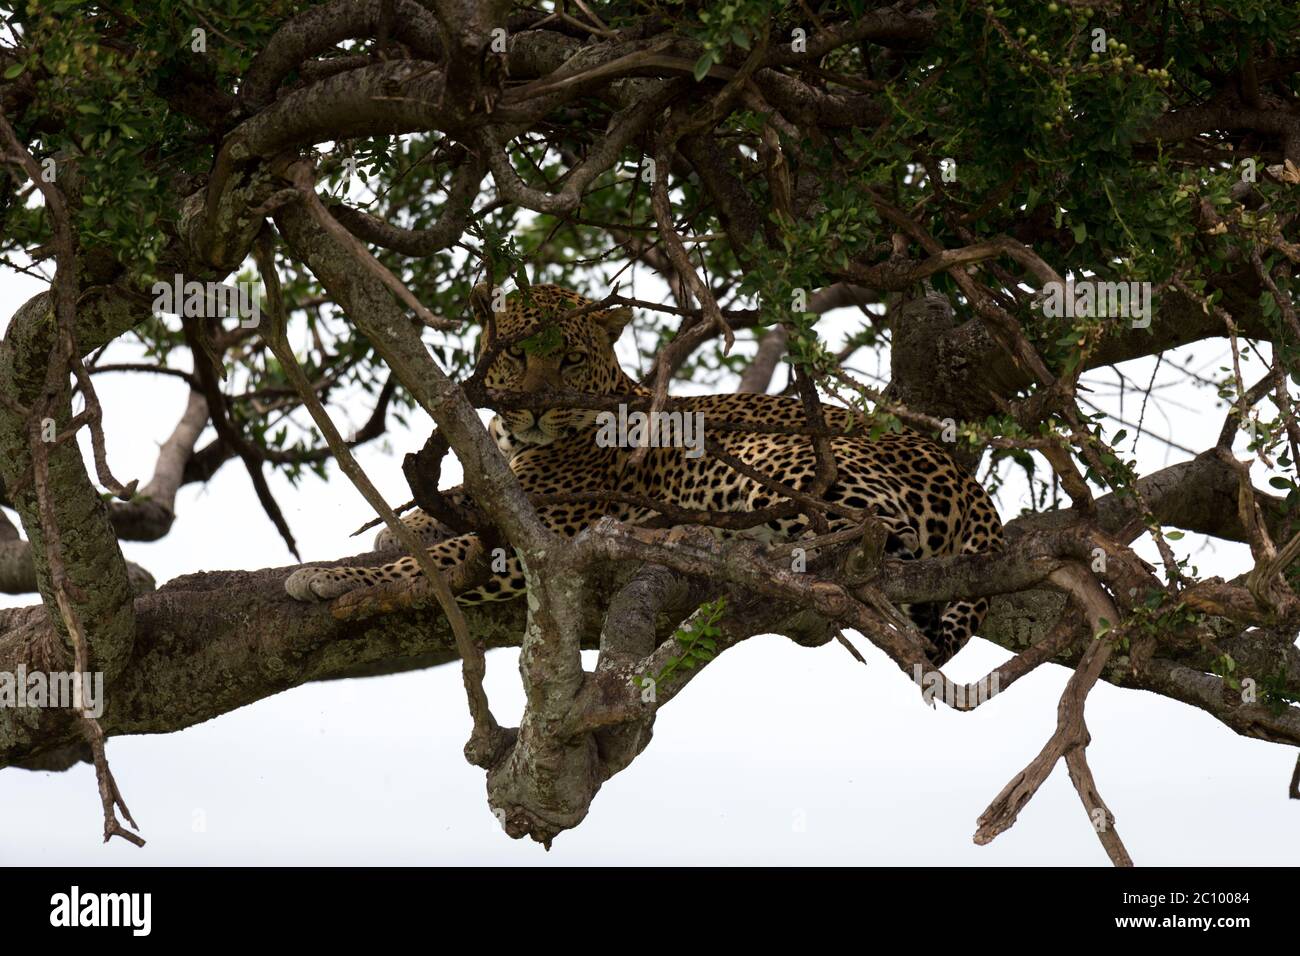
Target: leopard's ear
613 321
480 299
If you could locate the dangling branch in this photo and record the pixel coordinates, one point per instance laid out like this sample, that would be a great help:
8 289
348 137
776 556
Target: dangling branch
488 738
65 291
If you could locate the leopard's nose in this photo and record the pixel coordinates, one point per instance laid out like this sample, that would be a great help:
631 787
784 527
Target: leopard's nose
539 375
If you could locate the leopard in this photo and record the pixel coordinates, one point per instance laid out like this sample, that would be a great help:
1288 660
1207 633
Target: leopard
555 338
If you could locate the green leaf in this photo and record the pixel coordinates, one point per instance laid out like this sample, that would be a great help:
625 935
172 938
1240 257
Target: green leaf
543 343
703 65
14 69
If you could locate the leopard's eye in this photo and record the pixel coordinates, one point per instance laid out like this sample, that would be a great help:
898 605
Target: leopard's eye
515 352
573 358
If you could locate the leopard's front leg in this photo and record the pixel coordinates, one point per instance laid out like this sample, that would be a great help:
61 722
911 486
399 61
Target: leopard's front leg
453 557
324 584
429 529
423 525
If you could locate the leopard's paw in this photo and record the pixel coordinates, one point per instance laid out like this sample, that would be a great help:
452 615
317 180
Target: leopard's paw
316 584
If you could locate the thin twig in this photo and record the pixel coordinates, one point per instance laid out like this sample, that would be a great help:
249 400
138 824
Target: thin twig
488 737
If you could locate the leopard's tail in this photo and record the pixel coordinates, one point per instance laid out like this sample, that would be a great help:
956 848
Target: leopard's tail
981 533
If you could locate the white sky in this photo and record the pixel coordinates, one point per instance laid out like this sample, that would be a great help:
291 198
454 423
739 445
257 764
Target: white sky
776 754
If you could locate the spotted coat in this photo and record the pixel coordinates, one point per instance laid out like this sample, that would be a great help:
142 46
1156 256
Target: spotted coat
929 504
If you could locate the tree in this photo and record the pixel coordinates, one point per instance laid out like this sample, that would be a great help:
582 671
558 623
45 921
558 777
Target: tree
1013 195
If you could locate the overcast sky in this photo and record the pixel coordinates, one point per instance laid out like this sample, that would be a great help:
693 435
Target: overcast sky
776 754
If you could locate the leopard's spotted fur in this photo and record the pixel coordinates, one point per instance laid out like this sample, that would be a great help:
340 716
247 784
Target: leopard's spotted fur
929 504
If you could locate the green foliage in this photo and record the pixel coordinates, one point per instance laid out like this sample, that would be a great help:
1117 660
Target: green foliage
103 80
1160 617
1226 667
1044 132
544 343
733 24
1275 692
698 640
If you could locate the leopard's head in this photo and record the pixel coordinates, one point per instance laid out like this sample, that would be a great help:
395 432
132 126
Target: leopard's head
545 346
